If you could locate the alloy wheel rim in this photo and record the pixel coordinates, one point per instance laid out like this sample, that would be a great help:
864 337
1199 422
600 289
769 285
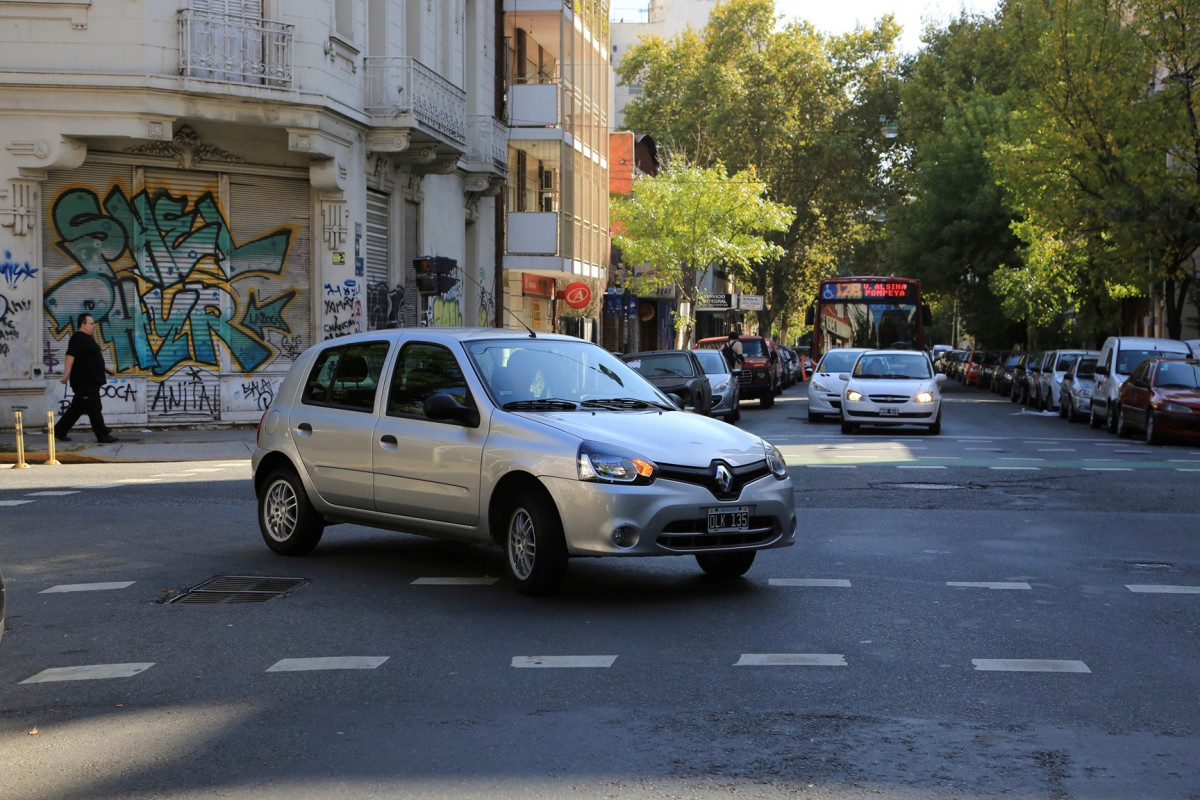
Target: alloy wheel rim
281 511
522 548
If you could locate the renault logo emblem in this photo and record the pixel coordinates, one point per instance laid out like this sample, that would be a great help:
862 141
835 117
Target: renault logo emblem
724 478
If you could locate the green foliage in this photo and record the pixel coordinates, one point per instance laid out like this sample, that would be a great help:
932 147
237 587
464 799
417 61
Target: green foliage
688 218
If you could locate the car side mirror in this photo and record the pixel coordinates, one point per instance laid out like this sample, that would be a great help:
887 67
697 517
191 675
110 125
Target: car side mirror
939 378
844 377
444 408
1101 369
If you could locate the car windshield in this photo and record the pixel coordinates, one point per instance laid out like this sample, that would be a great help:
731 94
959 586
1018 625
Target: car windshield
892 365
838 360
1086 368
1064 361
713 362
557 374
662 365
1128 361
1178 376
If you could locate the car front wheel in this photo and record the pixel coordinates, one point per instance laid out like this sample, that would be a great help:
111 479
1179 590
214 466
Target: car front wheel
1152 435
725 565
290 525
535 550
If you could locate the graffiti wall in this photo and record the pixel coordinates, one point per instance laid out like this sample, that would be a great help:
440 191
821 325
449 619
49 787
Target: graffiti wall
18 316
201 301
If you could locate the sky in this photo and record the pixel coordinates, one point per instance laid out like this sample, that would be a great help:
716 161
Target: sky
841 16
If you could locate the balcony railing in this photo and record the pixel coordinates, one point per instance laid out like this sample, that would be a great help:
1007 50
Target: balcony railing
235 49
487 145
410 94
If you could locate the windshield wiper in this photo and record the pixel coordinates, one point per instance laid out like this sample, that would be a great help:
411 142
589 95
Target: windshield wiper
540 404
620 403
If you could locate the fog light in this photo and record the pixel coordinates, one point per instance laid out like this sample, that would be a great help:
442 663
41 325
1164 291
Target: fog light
624 536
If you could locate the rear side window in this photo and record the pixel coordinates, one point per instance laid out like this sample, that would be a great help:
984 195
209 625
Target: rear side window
346 377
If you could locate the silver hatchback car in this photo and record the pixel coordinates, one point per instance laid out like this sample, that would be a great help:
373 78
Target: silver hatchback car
546 446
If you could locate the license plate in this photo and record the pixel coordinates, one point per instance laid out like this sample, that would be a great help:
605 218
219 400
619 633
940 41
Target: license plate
723 520
889 411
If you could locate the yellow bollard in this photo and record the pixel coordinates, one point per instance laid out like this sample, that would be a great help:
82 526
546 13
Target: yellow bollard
20 442
50 459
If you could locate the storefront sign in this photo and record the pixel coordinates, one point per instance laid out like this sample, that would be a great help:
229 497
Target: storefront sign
577 294
750 302
537 285
715 302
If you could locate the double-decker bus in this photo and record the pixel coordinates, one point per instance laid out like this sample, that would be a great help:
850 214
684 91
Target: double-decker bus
868 311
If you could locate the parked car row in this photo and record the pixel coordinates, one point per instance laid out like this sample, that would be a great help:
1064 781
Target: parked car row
1131 385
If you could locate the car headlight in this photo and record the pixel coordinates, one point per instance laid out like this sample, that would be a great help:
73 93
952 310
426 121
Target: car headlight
853 396
924 397
820 387
1175 408
1084 392
721 388
775 460
601 463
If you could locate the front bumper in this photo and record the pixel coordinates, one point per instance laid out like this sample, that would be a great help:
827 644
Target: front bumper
669 517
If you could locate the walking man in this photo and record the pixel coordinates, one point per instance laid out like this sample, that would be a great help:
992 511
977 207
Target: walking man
86 371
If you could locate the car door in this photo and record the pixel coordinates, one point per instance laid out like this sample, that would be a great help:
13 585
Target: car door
334 423
426 469
1135 394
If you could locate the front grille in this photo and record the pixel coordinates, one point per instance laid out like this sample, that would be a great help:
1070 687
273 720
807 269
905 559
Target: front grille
690 536
890 398
707 477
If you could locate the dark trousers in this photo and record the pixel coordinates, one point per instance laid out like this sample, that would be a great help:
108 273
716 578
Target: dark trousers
85 401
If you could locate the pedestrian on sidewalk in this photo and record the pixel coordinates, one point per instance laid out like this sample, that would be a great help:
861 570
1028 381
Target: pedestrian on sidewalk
87 373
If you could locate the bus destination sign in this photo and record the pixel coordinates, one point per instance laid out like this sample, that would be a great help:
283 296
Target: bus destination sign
872 290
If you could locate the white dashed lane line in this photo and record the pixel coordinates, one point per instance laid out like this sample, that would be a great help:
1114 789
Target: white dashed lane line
563 662
14 502
51 494
88 673
87 587
1028 665
988 585
333 662
1162 589
454 581
791 660
815 582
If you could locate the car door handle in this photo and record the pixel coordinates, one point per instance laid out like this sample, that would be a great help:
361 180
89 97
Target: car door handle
304 429
389 441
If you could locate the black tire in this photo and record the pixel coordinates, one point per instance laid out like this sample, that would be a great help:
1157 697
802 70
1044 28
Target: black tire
849 427
813 417
1152 435
767 400
1123 430
535 551
289 524
1112 416
1093 420
936 428
726 565
737 412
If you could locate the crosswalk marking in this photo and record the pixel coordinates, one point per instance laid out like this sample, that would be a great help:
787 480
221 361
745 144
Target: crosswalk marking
1028 665
562 662
49 494
823 582
333 662
87 587
88 673
791 660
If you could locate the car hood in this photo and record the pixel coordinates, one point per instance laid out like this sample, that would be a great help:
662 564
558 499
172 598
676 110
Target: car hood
1187 397
906 386
670 437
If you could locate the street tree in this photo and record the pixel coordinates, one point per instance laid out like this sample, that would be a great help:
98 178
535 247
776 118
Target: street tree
1105 138
680 223
801 109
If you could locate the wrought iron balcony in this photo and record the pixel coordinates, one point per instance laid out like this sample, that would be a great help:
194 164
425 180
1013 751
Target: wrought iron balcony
487 146
402 93
235 49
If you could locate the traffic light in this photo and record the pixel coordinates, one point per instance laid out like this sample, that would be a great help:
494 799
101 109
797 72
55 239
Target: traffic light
435 274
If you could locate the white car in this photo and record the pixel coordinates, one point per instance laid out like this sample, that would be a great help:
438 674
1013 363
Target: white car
892 387
825 385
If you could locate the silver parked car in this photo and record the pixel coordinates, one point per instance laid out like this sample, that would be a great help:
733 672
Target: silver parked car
546 446
726 393
1077 387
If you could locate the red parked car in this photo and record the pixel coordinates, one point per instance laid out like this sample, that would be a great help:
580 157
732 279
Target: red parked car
1161 399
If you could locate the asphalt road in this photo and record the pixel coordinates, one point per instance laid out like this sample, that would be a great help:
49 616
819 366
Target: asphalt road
1008 610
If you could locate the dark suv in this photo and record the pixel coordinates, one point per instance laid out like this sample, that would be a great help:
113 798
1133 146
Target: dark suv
761 371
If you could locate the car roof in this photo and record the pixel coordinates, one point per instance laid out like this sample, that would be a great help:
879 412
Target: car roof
451 334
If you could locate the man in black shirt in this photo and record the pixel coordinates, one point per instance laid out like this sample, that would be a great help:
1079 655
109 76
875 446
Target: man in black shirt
86 371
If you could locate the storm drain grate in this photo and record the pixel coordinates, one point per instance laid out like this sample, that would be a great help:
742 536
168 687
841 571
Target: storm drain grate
227 589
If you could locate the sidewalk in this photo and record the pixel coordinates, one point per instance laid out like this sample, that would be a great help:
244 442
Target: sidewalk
198 443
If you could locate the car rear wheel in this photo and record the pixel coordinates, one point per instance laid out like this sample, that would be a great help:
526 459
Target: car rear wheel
1114 413
290 525
535 550
725 565
1093 418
